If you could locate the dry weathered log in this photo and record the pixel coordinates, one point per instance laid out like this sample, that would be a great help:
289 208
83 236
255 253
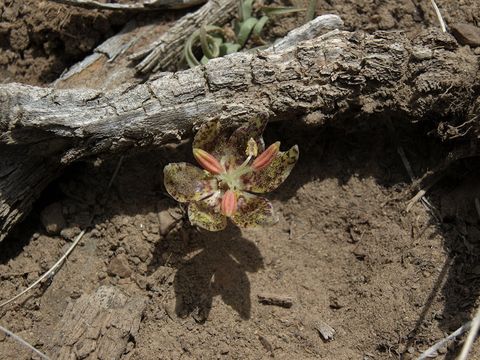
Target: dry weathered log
166 52
429 78
135 6
98 325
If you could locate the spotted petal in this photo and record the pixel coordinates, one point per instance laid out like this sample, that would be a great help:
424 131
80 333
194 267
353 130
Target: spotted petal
185 182
206 215
269 178
211 137
253 211
238 141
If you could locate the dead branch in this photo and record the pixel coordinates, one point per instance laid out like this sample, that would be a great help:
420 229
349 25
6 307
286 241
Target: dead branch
136 6
167 51
98 325
429 78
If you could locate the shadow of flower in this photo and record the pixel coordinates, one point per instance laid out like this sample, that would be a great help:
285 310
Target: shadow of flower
208 265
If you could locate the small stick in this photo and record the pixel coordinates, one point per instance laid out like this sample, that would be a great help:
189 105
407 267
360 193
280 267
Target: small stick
49 272
431 350
439 16
24 343
475 325
278 300
60 261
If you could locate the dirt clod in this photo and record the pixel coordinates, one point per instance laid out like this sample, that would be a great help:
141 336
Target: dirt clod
53 219
119 266
70 233
466 34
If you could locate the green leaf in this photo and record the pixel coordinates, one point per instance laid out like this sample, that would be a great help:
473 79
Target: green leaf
280 10
229 48
188 50
257 29
245 10
311 7
245 30
209 43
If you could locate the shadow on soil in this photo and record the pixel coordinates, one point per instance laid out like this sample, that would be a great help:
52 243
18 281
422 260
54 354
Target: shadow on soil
217 264
208 265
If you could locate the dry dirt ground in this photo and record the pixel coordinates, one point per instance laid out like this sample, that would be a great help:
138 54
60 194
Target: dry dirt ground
345 251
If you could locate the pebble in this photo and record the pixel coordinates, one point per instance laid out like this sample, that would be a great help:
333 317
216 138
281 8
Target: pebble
166 221
52 218
466 34
119 266
70 233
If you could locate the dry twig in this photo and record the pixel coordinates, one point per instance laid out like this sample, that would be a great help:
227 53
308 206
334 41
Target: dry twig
439 16
23 343
51 272
431 351
467 346
136 6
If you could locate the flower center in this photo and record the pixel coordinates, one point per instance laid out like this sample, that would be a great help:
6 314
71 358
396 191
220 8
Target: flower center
232 177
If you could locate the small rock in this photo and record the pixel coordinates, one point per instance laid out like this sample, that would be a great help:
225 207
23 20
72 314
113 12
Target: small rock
52 218
443 350
75 294
70 233
266 343
466 34
336 303
325 330
166 221
102 275
119 266
224 350
19 38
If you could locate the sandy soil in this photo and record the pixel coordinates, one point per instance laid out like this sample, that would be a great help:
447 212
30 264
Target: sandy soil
345 251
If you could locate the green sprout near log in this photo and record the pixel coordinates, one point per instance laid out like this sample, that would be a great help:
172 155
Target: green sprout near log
236 166
214 41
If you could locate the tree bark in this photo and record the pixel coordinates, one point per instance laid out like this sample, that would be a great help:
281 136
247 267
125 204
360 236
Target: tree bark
98 325
332 76
135 6
166 53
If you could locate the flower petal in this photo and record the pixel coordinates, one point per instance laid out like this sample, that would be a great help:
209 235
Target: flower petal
186 182
269 178
254 211
238 141
211 138
206 215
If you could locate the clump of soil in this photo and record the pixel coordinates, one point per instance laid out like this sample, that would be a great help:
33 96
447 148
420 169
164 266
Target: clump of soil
40 39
